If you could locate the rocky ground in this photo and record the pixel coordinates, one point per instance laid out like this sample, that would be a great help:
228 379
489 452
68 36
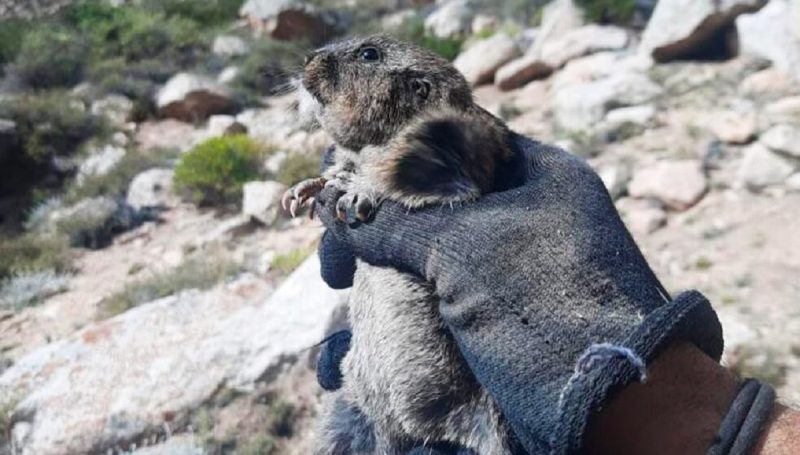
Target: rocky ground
701 157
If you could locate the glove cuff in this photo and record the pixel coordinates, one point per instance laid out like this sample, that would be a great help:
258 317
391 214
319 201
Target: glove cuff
605 369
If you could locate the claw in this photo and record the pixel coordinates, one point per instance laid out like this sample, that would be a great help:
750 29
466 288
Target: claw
312 207
287 196
293 208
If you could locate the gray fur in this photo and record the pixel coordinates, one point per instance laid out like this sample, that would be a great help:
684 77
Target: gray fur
403 376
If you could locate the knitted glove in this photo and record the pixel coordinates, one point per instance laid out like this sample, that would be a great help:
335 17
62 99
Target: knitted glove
544 290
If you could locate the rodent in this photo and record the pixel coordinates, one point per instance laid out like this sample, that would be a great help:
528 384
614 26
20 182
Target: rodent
407 129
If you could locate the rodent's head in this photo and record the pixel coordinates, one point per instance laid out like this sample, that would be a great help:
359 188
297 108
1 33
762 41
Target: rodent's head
363 90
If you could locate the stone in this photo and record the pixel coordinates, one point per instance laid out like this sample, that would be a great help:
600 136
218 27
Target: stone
480 61
520 71
558 18
772 33
793 182
637 115
783 139
582 106
616 177
168 134
760 168
152 188
125 378
680 29
767 81
116 108
451 18
483 23
287 20
785 110
228 75
676 184
100 162
230 46
642 217
192 98
273 164
734 127
182 444
219 124
262 201
582 41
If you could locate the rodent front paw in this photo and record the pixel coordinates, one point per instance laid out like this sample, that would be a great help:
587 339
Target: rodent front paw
354 207
301 193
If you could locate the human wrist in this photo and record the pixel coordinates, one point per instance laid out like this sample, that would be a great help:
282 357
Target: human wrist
782 434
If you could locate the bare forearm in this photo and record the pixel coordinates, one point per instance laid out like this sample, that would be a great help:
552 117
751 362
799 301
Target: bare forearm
679 410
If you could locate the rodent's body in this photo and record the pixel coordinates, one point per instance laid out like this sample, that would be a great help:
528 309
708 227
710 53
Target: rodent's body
406 129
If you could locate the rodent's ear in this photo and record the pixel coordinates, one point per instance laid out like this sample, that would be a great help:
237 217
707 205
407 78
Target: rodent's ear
421 87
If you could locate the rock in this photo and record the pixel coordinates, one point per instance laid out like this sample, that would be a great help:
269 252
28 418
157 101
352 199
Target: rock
676 184
191 98
735 127
479 62
228 75
288 20
182 444
219 124
681 29
483 23
767 81
644 218
616 177
273 164
452 18
582 41
558 18
167 134
785 110
262 201
9 138
793 182
772 33
783 139
152 188
637 115
519 72
100 162
761 167
580 107
116 108
92 223
230 46
127 378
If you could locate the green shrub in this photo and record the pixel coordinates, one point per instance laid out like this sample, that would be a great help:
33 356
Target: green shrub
51 124
297 167
265 70
12 33
33 252
215 171
288 262
208 13
51 56
192 274
608 11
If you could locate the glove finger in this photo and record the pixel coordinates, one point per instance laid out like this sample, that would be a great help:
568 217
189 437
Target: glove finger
329 365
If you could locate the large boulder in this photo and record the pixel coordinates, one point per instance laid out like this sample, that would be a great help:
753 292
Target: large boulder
676 184
288 20
582 41
772 33
760 167
192 98
451 18
152 189
479 63
581 106
681 29
783 139
135 376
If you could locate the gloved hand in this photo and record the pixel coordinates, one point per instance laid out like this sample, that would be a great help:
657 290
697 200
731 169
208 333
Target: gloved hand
547 295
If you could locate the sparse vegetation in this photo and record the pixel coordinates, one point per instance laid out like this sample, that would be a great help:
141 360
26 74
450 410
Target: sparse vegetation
214 172
23 290
266 69
703 263
12 34
7 407
608 11
51 57
194 273
413 30
297 167
288 262
33 252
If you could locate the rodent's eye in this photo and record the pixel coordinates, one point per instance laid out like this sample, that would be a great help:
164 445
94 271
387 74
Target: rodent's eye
369 54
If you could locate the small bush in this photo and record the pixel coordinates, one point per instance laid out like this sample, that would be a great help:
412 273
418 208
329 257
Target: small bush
608 11
297 167
33 252
192 274
208 13
23 290
265 70
51 56
215 171
12 34
51 124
